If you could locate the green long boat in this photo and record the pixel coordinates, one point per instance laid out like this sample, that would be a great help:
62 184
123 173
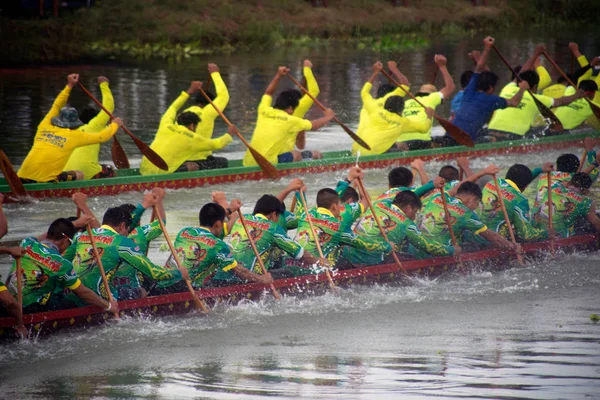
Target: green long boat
130 180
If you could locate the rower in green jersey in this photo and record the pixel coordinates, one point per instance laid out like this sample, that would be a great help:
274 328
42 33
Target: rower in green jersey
397 218
399 180
203 253
332 232
45 270
518 177
11 306
289 219
462 217
570 206
268 236
115 250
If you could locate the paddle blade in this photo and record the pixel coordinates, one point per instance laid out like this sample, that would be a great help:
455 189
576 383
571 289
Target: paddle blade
147 151
353 135
555 123
11 176
118 155
461 137
264 164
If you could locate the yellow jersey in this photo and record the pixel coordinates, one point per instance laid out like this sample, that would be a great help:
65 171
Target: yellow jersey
545 78
555 91
52 145
583 62
363 121
85 159
176 144
273 131
208 114
574 114
414 112
384 127
517 120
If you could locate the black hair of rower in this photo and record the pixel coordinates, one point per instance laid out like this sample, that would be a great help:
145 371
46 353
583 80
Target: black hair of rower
87 113
470 188
327 197
384 89
210 214
567 163
400 177
188 118
286 99
268 204
407 198
449 173
114 216
581 180
465 78
201 100
60 228
394 104
588 85
487 80
350 194
130 208
521 175
531 77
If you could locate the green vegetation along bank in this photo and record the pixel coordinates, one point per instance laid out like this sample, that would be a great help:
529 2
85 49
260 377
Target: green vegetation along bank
184 28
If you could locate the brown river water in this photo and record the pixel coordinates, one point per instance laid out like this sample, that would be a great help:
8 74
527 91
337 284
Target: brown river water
523 333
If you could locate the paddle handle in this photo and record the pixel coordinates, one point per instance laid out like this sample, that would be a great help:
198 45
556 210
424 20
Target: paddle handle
293 206
316 238
257 254
199 303
99 104
511 231
583 157
409 94
101 267
365 195
550 222
448 222
20 286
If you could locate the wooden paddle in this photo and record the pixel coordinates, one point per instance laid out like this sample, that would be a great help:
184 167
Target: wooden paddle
11 176
583 157
262 162
197 301
101 267
144 148
550 222
545 111
572 64
366 196
257 254
595 108
293 206
460 136
511 231
119 156
20 288
448 222
316 237
353 135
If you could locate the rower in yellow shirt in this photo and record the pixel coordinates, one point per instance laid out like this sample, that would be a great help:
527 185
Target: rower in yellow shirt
56 138
177 141
208 115
85 159
573 115
430 97
386 124
277 127
583 62
384 92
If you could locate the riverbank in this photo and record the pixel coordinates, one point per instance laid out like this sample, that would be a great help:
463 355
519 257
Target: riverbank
184 28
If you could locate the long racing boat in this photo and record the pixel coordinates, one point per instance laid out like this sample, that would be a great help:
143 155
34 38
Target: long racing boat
130 180
47 323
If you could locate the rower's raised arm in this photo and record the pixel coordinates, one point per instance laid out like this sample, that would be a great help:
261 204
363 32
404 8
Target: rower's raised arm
313 89
101 119
449 85
61 99
270 91
170 115
222 98
393 67
488 43
516 99
530 63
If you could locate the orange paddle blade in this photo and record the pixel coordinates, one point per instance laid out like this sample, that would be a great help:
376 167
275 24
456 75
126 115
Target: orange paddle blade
461 137
118 154
264 164
11 176
555 123
150 154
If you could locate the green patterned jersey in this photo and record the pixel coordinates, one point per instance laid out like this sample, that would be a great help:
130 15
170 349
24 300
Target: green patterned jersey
127 276
517 208
44 272
400 230
542 187
268 237
426 198
463 220
568 207
115 250
420 191
333 233
202 254
288 220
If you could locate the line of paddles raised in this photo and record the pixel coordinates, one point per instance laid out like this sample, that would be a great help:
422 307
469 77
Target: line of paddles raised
43 324
130 180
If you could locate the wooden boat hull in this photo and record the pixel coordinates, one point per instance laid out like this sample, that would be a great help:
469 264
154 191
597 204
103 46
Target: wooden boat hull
43 324
130 180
